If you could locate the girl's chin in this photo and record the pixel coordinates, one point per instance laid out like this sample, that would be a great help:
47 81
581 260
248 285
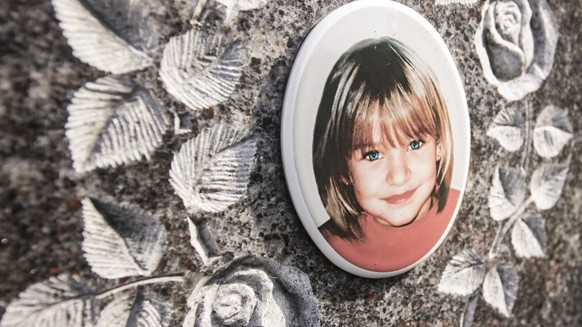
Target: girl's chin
394 222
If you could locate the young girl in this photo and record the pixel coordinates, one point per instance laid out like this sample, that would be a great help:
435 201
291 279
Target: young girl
383 157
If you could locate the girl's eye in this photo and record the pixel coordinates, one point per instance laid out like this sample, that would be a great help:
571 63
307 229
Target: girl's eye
372 155
415 145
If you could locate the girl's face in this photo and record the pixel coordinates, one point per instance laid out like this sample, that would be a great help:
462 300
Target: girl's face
394 184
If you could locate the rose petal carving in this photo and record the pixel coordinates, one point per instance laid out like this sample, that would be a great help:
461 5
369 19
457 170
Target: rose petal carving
235 303
253 292
516 42
509 38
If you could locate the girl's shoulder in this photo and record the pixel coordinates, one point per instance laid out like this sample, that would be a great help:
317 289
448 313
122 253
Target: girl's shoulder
454 193
333 234
452 200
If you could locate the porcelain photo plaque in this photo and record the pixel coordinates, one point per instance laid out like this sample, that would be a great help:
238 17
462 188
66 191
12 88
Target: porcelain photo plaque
375 138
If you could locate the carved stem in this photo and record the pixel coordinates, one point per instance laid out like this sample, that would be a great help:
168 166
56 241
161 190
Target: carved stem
575 141
502 232
469 312
201 11
178 277
526 153
202 240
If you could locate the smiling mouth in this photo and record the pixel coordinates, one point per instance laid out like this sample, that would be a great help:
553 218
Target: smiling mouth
400 198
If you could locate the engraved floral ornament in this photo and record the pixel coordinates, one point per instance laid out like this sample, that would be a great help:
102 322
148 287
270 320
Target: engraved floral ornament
115 121
516 42
509 38
253 292
520 216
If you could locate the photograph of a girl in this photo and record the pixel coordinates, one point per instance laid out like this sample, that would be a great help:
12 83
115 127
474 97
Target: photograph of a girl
383 157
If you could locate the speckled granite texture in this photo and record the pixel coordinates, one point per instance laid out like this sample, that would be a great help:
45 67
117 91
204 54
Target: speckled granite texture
40 193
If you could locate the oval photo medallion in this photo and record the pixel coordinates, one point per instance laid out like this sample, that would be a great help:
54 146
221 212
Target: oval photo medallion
375 138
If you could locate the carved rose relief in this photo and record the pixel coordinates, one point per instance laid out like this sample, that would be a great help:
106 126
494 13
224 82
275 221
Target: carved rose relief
509 38
516 41
253 292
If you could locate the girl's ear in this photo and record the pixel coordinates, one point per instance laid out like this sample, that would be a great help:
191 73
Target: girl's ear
439 151
344 179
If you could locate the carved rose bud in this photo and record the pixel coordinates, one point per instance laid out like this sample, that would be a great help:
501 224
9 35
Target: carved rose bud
253 292
509 38
235 303
516 42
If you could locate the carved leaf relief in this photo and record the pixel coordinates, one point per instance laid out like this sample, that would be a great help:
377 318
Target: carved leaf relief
112 122
552 132
234 6
546 184
212 171
508 190
464 273
452 2
508 129
201 69
528 236
121 242
135 310
500 288
115 37
62 301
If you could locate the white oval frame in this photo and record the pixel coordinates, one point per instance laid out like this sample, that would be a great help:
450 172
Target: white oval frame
324 44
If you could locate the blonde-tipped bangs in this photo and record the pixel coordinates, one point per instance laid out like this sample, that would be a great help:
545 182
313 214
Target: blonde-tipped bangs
400 119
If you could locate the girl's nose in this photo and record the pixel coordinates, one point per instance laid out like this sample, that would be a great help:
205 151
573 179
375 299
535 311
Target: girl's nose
398 171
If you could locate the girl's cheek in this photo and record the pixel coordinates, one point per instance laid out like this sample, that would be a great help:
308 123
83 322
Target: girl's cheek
377 174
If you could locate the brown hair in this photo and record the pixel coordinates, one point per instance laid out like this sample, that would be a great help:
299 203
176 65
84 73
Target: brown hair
375 78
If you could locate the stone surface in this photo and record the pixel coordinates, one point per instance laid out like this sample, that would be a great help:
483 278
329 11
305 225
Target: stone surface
40 193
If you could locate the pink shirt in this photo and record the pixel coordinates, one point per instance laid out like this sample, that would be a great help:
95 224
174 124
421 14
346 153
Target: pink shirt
387 248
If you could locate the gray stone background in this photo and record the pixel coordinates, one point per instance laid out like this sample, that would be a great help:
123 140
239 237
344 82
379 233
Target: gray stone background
40 218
